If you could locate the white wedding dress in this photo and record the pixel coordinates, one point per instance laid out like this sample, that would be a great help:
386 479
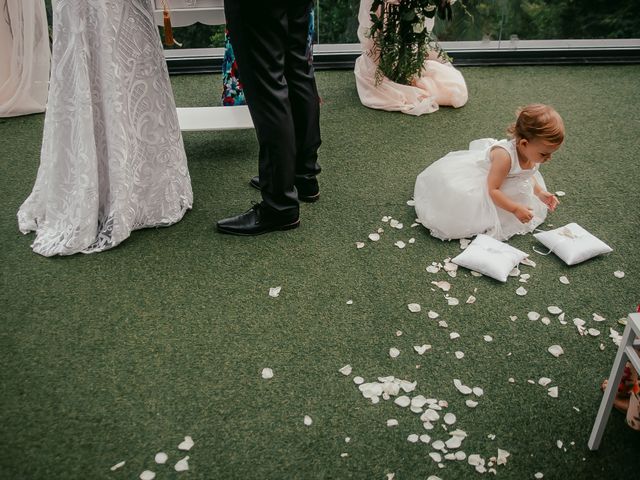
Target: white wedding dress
112 157
452 198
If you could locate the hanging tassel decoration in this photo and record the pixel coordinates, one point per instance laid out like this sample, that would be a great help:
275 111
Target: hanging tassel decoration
169 41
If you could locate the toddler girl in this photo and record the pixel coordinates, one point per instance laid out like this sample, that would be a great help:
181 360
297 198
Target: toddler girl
494 187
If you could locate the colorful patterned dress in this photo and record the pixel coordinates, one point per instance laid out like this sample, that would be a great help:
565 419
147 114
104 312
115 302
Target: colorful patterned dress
232 91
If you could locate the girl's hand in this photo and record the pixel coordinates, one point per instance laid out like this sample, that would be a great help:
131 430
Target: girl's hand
549 199
524 213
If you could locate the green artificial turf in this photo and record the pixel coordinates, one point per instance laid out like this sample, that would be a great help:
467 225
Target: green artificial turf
118 355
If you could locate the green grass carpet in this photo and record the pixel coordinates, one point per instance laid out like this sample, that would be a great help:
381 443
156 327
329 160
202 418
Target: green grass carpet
118 355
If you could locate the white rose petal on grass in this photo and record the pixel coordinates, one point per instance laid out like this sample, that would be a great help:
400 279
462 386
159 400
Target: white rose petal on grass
553 392
454 335
374 237
452 301
413 438
471 299
161 458
553 310
147 475
267 373
465 390
450 419
438 445
555 350
442 285
359 245
307 420
182 465
424 438
511 380
443 324
502 457
471 403
274 292
618 274
411 203
488 338
414 307
117 466
459 355
478 391
394 352
464 243
346 370
433 269
564 280
544 381
435 456
594 332
420 349
598 318
528 262
402 401
433 315
400 244
559 444
475 274
349 302
545 320
539 475
358 380
392 422
411 240
186 444
560 193
521 291
453 443
514 272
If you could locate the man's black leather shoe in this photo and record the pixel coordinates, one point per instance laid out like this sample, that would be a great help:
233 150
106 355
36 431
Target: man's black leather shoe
307 194
256 221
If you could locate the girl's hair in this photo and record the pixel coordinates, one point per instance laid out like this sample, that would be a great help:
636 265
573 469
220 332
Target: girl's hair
538 121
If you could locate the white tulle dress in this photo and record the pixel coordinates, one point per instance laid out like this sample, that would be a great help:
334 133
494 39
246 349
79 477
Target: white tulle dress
452 198
112 158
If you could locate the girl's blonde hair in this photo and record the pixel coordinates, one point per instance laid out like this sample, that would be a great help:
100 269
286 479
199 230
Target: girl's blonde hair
538 121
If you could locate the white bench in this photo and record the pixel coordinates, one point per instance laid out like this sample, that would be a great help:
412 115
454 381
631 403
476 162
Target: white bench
209 12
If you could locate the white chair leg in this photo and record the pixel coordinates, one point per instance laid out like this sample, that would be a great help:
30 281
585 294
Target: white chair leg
611 390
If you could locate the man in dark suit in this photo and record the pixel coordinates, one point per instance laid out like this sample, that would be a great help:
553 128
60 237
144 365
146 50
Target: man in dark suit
269 39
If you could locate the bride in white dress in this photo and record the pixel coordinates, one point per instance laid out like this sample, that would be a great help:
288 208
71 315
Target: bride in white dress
112 157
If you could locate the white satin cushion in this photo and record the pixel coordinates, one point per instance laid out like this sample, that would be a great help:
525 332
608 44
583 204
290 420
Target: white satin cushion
572 243
490 257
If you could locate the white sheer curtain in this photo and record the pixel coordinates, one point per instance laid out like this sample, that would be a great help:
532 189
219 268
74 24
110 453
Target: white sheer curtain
24 57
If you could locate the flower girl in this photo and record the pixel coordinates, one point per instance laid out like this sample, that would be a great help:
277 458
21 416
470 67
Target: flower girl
494 187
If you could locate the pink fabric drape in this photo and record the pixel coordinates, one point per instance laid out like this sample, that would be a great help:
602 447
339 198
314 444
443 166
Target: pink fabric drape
439 84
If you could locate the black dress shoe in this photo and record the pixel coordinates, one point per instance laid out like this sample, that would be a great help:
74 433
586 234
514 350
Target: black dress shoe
256 221
307 194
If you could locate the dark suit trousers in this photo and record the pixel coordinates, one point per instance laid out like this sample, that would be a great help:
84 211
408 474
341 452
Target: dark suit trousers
269 39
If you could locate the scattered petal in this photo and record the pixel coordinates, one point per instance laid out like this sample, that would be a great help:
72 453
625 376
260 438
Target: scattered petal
462 388
402 401
471 299
400 244
488 338
475 274
398 333
512 380
618 274
411 203
471 403
452 301
411 240
554 310
117 466
450 267
307 420
433 269
521 291
556 350
187 443
539 475
349 302
545 320
182 465
564 280
598 318
443 285
502 457
161 458
346 370
438 445
449 419
432 315
478 391
513 318
559 443
413 438
267 373
594 332
359 245
544 381
553 392
385 219
424 438
533 315
374 237
560 193
394 352
443 324
459 355
274 291
464 243
147 475
414 307
435 456
454 335
358 380
515 272
528 262
392 422
420 349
